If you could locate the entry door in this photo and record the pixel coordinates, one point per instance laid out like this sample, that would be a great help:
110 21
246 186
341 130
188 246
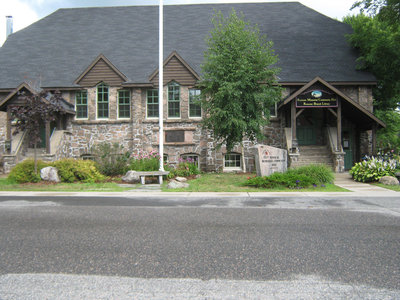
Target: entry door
306 128
347 143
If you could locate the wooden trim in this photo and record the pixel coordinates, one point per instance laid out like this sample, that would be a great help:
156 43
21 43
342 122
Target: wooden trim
283 83
299 112
181 60
293 122
339 125
15 91
95 61
47 128
8 123
333 112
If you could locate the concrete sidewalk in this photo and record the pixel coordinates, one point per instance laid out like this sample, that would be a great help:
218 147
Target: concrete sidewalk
345 181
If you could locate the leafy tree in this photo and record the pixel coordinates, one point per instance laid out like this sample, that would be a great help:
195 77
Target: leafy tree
39 107
239 83
385 10
389 138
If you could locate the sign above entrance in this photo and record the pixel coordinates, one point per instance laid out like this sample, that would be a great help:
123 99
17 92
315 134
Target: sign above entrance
316 98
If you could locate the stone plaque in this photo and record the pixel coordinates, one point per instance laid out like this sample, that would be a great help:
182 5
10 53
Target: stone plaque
270 160
175 136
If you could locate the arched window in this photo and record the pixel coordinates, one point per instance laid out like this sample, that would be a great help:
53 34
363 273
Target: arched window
102 101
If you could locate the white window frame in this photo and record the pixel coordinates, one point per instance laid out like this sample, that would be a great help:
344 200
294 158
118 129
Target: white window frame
276 111
233 168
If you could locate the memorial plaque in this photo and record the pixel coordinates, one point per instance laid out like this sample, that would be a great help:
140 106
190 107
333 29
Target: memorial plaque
270 160
175 136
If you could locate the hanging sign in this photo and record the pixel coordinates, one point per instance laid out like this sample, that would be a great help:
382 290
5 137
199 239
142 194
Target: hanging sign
316 98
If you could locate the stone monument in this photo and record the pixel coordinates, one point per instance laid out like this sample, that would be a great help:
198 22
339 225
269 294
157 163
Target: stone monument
270 160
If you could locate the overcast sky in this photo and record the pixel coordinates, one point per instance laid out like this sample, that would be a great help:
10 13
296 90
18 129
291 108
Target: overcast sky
26 12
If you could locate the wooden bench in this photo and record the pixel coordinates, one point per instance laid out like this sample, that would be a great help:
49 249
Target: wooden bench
143 175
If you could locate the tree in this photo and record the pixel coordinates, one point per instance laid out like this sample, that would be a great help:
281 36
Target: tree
239 82
38 108
385 10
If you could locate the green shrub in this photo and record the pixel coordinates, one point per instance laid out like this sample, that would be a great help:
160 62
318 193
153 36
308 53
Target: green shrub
25 171
110 158
289 179
185 168
320 174
372 169
71 170
145 161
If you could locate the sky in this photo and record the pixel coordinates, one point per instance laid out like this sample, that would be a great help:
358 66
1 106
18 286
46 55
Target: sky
26 12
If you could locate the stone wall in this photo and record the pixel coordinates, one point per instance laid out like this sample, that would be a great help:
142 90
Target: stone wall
360 94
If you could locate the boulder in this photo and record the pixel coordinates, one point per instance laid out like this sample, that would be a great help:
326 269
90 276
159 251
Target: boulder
181 179
131 177
173 184
50 174
389 180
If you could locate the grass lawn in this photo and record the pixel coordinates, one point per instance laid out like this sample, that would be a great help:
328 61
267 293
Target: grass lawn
389 187
6 185
227 182
223 182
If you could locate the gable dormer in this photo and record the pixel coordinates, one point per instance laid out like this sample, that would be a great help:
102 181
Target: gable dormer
176 69
101 69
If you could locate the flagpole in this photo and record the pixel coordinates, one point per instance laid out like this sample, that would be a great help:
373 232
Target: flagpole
160 85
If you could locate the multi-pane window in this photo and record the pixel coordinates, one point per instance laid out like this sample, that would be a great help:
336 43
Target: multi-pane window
102 101
192 158
81 104
232 160
124 104
273 110
174 100
152 103
194 103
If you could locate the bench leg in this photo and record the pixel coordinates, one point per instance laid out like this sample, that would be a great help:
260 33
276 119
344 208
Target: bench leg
143 179
160 180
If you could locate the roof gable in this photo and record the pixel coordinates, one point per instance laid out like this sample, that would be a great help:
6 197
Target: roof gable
176 69
320 82
101 69
11 99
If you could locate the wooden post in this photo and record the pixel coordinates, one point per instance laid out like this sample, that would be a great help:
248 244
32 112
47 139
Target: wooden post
8 137
339 126
47 137
293 124
374 128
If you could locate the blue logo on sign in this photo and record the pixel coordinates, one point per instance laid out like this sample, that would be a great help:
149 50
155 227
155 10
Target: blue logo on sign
316 94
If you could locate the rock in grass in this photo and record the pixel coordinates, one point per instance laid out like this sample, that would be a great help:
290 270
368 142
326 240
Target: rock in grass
173 184
181 179
50 174
131 177
389 180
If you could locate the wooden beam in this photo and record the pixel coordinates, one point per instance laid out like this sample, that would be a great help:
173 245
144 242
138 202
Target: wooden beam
339 125
374 139
293 124
47 137
8 123
333 112
299 112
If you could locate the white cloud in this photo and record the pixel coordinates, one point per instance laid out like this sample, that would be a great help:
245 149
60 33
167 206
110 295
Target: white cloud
22 14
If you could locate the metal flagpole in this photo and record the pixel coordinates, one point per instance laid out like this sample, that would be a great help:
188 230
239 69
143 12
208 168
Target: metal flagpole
160 85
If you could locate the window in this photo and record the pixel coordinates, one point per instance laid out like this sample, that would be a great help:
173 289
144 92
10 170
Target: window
124 101
233 161
191 158
152 103
174 100
81 104
194 103
273 110
102 101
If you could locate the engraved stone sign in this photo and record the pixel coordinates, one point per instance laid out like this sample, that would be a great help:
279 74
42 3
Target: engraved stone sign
175 136
270 160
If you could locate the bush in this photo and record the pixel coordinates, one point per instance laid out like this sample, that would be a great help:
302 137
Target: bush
288 179
145 161
320 174
110 158
25 171
373 168
185 168
71 170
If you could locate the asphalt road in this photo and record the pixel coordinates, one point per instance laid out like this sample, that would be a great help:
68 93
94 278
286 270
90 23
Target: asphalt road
55 249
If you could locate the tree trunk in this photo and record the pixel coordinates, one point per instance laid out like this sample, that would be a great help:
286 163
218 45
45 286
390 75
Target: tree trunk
243 160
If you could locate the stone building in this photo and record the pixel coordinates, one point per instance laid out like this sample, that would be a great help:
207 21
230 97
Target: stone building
104 60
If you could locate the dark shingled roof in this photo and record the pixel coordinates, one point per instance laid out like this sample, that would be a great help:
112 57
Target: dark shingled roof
59 47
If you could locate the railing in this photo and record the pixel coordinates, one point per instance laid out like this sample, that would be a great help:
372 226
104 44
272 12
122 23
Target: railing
332 136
